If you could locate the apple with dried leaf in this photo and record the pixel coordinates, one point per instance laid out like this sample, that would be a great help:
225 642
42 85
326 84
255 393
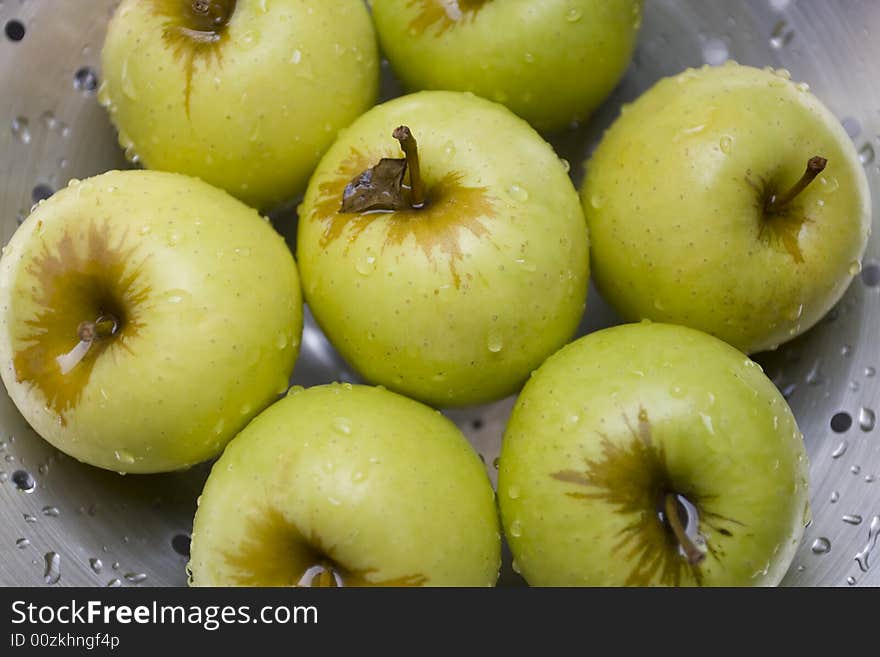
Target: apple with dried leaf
443 249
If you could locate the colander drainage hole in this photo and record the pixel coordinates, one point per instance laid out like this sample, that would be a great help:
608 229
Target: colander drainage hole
180 544
15 30
41 192
841 422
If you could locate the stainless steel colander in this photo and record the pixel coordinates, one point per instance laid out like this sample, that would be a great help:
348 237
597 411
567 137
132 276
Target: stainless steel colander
65 523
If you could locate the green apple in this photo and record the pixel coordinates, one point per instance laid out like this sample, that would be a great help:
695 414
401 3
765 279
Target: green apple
551 62
652 454
454 297
345 485
701 212
145 318
245 94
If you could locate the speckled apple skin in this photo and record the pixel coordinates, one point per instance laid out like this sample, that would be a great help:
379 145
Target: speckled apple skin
728 436
388 486
287 77
218 324
455 305
551 62
671 197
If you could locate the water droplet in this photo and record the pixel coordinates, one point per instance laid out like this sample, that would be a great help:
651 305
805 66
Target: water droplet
496 462
296 56
516 529
342 426
52 571
135 578
20 129
23 481
366 264
96 565
218 427
518 193
821 545
840 450
115 582
123 456
855 267
864 555
867 419
781 35
855 469
513 492
85 80
726 144
29 517
495 341
22 543
597 200
573 15
51 511
866 154
295 390
835 496
566 165
852 519
715 51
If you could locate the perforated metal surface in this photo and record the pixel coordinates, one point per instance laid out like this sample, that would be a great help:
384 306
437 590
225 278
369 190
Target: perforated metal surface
80 526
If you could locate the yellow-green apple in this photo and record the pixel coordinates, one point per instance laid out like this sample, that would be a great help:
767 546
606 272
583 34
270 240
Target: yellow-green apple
450 272
730 200
145 318
345 485
652 455
245 94
551 62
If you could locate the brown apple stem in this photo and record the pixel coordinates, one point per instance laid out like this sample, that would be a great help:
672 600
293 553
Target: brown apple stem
410 148
103 327
694 554
777 202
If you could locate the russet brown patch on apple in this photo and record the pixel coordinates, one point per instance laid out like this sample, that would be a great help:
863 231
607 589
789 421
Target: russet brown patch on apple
443 15
276 553
451 209
194 38
77 280
634 477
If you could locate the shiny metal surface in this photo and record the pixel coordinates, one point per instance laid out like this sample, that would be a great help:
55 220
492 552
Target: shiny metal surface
82 526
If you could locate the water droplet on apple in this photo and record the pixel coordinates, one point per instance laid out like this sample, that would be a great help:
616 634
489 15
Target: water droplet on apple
526 265
21 130
566 165
342 426
358 476
573 15
821 546
123 456
855 268
365 265
513 492
597 200
518 193
726 144
495 341
22 543
516 567
128 87
218 427
529 58
829 184
516 529
104 99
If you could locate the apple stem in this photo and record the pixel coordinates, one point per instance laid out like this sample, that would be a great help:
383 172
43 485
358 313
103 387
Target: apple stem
410 148
103 327
694 554
776 203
